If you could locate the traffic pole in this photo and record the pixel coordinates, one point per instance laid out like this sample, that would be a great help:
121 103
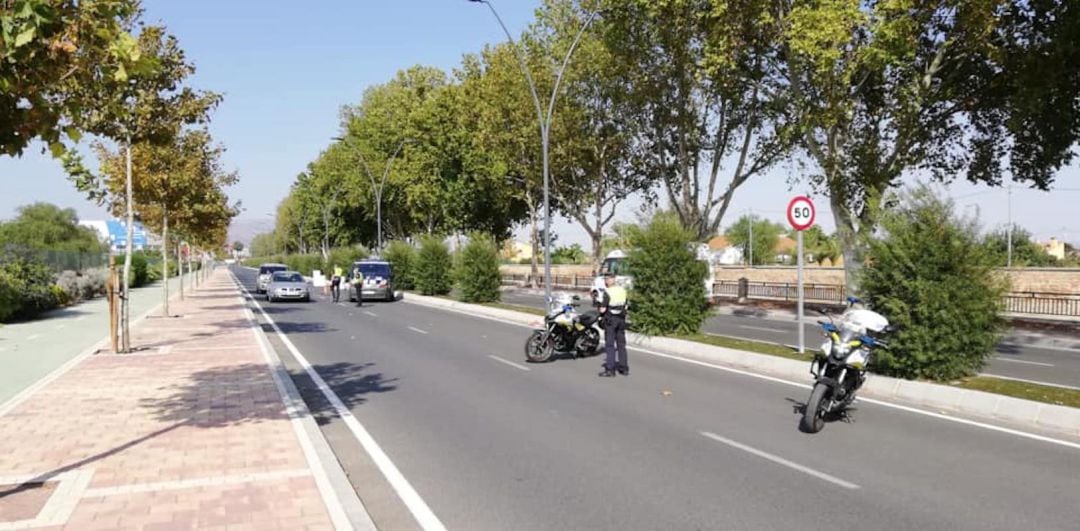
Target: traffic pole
802 329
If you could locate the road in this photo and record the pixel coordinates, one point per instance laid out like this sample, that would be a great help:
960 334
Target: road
489 442
1056 363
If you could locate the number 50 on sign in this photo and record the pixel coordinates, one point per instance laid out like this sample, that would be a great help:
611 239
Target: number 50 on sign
801 213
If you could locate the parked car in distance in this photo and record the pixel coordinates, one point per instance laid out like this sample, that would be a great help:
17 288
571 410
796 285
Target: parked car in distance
287 285
378 280
265 271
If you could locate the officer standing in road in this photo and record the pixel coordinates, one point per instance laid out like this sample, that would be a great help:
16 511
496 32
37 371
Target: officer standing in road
358 283
335 283
613 311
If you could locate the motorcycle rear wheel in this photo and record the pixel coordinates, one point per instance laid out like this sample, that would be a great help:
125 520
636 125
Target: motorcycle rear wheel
813 419
537 350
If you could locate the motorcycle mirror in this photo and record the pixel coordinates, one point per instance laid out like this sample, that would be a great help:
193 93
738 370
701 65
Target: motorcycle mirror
890 329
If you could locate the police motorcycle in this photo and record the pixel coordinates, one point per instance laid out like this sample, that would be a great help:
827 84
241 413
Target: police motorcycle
565 331
840 368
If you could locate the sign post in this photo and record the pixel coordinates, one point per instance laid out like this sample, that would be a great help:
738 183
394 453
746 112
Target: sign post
801 214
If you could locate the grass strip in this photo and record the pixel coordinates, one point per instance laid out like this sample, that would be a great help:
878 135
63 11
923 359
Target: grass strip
515 308
1028 391
771 349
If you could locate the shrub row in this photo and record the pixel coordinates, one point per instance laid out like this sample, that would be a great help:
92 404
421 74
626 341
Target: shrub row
306 264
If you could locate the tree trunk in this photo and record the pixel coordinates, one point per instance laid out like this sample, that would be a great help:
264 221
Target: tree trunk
125 311
180 267
165 262
850 244
534 240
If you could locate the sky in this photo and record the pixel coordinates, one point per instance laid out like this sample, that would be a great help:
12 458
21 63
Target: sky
287 67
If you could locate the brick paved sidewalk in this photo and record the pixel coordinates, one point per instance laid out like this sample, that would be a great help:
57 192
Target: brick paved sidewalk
191 432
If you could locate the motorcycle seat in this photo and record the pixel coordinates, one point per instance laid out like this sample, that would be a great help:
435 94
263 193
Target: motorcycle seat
588 318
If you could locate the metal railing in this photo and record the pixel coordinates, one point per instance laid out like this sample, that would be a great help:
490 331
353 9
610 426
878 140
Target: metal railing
1041 303
1028 302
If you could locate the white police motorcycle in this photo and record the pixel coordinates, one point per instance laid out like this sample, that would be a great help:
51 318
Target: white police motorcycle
840 368
566 330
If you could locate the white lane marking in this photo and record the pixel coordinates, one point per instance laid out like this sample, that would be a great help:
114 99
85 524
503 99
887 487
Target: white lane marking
1039 347
33 337
883 403
372 314
762 328
412 500
417 330
1000 377
80 318
508 362
999 358
781 461
60 327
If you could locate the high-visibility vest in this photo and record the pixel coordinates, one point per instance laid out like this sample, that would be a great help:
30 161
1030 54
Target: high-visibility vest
615 297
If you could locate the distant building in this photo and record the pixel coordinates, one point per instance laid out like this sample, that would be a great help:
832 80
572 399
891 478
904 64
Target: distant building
1054 248
723 252
114 233
785 250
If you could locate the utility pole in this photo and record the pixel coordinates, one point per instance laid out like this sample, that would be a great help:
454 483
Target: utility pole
545 126
750 242
1008 262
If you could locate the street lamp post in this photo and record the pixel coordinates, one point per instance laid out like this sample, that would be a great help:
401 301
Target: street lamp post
545 125
378 187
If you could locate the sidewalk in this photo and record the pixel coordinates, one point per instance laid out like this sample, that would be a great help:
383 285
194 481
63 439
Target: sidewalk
191 432
32 349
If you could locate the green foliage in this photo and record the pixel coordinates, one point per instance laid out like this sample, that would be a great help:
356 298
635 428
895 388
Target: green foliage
45 226
819 245
934 280
433 267
402 258
572 254
766 236
306 263
140 269
264 245
29 290
1025 251
476 270
669 282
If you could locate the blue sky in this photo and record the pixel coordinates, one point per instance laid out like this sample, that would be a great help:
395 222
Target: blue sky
287 67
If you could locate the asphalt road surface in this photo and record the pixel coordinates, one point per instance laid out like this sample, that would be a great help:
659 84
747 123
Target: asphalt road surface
1048 361
489 442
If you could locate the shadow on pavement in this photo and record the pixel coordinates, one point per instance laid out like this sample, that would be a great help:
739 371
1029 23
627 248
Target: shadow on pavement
351 382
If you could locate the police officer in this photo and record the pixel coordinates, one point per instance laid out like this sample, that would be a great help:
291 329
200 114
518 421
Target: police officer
358 282
613 311
335 283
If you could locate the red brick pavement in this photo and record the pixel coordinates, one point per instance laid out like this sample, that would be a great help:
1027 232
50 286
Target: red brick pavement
190 433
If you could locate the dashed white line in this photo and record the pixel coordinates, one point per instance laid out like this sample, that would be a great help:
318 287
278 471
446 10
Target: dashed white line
999 358
59 327
33 337
781 461
372 314
1039 347
417 330
762 328
508 362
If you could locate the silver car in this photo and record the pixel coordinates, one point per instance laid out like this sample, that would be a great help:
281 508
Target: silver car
287 285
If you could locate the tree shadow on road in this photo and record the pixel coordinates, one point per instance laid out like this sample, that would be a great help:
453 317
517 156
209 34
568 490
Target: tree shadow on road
351 382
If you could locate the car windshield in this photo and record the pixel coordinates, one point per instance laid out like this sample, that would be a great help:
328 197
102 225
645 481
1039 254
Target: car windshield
288 277
266 270
615 266
374 269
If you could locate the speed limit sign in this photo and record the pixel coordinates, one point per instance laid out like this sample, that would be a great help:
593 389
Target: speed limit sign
801 213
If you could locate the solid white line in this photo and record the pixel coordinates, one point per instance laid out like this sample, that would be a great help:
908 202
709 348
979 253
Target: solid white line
417 330
781 461
762 328
416 505
59 327
1039 347
1000 377
508 362
999 358
907 409
33 337
372 314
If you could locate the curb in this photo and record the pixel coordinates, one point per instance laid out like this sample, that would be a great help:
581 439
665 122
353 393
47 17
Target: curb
346 510
1061 419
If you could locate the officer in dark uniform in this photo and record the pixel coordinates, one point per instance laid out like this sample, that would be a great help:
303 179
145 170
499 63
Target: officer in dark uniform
613 310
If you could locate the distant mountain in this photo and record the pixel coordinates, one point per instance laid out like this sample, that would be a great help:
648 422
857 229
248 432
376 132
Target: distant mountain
244 230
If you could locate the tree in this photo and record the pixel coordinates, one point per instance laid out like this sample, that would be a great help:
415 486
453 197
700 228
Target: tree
58 58
1025 251
698 80
265 244
402 257
238 246
149 108
933 279
818 245
433 267
949 88
668 295
181 182
43 226
766 235
573 254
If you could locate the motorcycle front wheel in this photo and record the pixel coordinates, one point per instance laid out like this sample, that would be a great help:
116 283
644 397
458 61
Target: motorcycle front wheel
813 419
537 350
